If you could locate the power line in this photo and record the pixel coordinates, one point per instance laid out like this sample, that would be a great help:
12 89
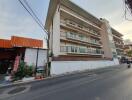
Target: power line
126 10
25 1
33 15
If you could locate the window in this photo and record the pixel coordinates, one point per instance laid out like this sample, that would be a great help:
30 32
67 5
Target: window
82 50
63 34
72 48
98 51
81 37
80 26
72 23
76 49
68 48
63 49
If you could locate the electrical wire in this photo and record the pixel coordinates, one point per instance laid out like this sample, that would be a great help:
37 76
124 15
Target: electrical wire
33 15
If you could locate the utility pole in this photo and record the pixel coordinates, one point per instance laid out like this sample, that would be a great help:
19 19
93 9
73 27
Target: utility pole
28 8
47 67
36 61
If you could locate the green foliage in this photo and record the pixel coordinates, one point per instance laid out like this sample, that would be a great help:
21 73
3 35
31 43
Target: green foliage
129 53
29 71
23 71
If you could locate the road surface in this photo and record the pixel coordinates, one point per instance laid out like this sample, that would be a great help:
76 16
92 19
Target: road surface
111 84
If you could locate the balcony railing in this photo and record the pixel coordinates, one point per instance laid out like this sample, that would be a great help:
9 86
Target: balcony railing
81 50
120 53
120 38
82 38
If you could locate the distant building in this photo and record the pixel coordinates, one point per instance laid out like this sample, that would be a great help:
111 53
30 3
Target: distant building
127 41
78 40
26 48
119 43
127 48
112 40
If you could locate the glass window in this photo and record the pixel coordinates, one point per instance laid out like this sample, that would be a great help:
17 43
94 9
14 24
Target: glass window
72 48
69 48
63 49
81 37
76 49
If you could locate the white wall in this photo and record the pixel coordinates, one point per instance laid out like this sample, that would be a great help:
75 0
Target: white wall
62 67
31 55
56 33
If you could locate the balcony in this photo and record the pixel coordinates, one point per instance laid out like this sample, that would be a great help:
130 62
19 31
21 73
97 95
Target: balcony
116 37
118 43
81 50
82 38
72 15
118 48
79 27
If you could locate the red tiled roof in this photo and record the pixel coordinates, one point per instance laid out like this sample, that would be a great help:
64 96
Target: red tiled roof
5 43
21 42
25 42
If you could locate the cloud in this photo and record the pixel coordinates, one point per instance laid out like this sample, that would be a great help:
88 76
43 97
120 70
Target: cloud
125 28
112 10
14 20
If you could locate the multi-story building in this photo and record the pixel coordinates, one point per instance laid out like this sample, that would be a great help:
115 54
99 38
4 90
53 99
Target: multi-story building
112 40
119 44
76 35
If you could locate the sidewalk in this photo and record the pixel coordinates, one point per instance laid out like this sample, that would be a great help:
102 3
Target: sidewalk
2 81
2 78
95 71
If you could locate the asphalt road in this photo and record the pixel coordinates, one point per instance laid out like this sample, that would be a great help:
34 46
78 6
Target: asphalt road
111 84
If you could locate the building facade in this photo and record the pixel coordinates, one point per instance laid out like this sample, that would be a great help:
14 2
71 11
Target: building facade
112 41
76 35
119 43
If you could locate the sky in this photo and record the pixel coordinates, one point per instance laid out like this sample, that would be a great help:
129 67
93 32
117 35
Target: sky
14 20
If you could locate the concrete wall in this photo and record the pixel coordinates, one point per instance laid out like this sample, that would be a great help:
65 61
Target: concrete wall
56 33
31 56
105 41
62 67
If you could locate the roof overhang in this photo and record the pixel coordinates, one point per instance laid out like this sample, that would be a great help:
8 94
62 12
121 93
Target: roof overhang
115 31
51 10
53 6
80 11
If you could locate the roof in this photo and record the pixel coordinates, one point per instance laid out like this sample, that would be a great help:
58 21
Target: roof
21 42
5 43
53 6
25 42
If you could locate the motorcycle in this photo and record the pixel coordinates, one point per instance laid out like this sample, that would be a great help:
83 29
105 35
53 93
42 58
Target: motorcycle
128 64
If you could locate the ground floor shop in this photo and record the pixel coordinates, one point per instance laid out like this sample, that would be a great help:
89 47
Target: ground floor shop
18 49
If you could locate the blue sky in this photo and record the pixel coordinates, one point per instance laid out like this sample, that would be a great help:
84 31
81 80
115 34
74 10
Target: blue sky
14 20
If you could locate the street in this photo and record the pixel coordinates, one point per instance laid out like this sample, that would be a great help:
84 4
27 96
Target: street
110 84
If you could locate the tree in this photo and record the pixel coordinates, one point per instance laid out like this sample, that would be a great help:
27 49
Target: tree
129 53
